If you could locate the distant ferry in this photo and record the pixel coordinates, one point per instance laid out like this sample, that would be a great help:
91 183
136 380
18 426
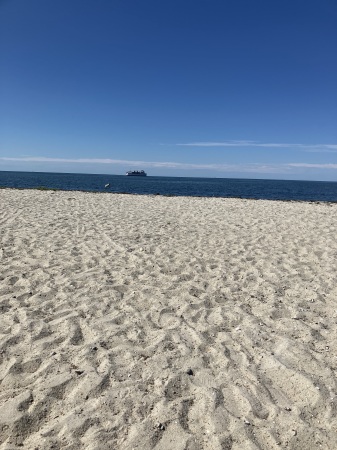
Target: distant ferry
136 173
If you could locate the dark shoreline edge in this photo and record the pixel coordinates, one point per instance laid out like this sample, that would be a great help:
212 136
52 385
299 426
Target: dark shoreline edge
43 189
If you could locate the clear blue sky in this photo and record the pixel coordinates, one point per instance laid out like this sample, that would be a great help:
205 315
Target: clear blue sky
223 88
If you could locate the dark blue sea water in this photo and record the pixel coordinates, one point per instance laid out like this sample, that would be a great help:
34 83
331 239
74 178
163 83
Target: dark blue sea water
203 187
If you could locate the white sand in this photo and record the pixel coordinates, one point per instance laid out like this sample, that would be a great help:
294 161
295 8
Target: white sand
108 300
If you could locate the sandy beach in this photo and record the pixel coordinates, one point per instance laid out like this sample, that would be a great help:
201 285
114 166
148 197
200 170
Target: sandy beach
149 322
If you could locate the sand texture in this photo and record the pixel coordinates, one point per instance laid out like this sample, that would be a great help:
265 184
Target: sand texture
147 322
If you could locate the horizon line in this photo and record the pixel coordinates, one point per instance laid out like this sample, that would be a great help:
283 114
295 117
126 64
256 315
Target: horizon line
249 167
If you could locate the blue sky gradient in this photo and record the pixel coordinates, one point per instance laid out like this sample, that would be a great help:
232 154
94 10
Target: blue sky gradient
223 88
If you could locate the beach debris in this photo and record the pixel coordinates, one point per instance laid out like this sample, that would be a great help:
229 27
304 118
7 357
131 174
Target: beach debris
189 371
246 422
160 426
287 409
79 372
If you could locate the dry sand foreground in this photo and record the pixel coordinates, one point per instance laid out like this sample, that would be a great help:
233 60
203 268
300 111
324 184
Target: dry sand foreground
143 322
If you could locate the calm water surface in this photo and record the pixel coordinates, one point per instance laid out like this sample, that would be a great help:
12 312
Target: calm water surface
180 186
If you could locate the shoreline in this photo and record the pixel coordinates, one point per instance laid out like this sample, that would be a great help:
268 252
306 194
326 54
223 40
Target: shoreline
43 188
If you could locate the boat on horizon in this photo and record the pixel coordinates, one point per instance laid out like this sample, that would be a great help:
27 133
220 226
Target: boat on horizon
136 173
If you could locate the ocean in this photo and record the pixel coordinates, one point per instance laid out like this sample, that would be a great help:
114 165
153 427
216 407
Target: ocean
176 186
